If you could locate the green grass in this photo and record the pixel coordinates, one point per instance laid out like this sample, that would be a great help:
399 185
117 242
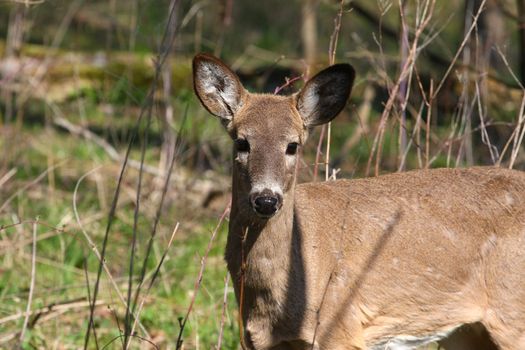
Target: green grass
61 253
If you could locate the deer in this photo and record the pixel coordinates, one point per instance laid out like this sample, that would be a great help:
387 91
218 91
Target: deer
394 261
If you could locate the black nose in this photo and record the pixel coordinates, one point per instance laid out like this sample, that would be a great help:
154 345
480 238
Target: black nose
265 205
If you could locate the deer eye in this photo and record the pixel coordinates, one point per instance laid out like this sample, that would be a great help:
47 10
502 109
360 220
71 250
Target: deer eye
241 145
292 148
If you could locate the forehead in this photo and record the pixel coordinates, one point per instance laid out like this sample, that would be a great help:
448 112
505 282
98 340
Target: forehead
268 114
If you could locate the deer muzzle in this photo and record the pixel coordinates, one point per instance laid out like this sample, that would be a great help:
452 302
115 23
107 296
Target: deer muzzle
266 203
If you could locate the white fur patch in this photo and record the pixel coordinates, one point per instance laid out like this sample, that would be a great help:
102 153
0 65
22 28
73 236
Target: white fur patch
209 79
409 342
290 160
267 185
509 200
309 100
242 157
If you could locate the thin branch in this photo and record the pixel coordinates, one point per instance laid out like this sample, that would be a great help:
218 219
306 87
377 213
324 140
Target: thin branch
318 152
331 56
463 43
198 281
404 87
405 72
223 314
30 184
520 125
78 130
7 176
484 134
155 274
518 140
288 82
164 50
165 188
240 321
127 319
93 246
89 300
31 285
72 305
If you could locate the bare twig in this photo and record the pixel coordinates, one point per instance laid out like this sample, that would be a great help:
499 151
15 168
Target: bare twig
30 184
335 34
7 176
22 222
119 337
198 281
159 265
242 278
402 94
93 246
484 134
463 43
223 314
31 285
59 120
422 23
164 51
517 141
363 115
327 154
319 151
127 318
427 130
9 246
88 287
156 221
516 138
331 55
70 305
288 82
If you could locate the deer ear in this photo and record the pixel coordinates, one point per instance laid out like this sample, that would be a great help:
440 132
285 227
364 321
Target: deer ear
325 95
217 87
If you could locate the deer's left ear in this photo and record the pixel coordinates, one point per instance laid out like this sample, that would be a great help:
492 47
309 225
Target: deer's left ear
325 95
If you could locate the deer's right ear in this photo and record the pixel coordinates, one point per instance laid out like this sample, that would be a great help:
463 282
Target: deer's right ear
217 87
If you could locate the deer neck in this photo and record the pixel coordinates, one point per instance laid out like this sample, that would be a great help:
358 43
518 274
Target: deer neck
268 242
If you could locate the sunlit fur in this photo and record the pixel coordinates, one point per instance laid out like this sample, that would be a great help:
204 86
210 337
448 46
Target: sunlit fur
385 262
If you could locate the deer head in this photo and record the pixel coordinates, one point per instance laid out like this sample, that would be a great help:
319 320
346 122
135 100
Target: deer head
268 130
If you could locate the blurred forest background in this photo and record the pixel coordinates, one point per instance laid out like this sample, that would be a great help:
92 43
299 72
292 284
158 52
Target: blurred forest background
106 155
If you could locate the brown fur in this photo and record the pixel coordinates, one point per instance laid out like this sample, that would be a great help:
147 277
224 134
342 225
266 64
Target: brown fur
355 264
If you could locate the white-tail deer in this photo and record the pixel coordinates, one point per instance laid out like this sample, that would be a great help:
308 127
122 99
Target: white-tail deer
391 262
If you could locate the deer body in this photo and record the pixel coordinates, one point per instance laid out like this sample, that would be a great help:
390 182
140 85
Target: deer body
391 262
